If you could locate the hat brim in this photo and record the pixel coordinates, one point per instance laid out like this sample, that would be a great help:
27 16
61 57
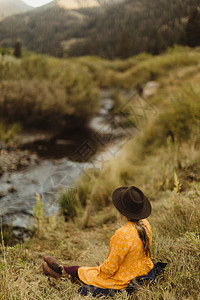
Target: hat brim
143 214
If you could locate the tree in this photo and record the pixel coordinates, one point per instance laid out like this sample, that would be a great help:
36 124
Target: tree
192 30
17 49
124 46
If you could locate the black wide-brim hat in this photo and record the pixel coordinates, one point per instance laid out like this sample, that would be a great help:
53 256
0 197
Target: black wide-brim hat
131 202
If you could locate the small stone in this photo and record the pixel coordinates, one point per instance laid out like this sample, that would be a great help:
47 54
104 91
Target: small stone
2 194
3 151
151 88
12 189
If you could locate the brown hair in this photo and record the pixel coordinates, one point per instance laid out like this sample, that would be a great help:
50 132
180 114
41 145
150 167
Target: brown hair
143 234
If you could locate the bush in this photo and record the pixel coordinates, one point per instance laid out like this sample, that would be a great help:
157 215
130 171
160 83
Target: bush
8 132
69 203
40 91
156 67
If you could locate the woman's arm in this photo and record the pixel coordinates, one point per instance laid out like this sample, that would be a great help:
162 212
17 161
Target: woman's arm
119 247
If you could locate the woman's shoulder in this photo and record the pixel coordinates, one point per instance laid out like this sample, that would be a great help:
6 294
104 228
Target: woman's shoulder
129 227
126 229
122 235
128 232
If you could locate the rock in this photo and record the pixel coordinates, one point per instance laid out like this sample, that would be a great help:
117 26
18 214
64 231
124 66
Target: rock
4 151
12 189
3 146
150 88
2 194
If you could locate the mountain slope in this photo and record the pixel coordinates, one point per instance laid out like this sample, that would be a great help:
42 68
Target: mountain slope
120 29
10 7
135 26
41 30
75 4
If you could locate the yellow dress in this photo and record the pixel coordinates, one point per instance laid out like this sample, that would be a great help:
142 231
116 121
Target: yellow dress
126 260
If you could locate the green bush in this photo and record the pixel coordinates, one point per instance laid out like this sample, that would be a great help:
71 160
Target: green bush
6 51
69 204
8 132
36 66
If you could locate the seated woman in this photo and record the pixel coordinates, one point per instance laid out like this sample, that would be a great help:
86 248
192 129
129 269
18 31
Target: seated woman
130 247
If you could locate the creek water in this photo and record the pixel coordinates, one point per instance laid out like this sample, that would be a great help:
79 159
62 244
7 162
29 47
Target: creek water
61 160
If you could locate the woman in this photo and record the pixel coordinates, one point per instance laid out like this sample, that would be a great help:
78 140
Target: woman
130 247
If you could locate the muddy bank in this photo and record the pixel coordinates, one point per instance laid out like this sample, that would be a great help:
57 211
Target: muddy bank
14 160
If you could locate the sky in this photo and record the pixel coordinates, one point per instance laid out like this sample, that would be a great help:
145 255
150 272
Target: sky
36 3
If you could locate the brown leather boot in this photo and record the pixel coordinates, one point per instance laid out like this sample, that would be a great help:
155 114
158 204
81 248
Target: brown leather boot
54 264
49 272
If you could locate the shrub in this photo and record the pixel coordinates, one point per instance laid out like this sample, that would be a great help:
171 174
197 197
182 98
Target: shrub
40 91
43 103
69 203
156 67
8 132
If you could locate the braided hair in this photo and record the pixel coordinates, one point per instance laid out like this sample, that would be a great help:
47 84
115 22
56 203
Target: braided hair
143 234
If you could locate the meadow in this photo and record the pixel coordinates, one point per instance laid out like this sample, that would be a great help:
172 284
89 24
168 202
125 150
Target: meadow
162 158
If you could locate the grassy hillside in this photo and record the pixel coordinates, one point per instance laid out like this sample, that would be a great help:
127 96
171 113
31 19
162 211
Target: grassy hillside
162 159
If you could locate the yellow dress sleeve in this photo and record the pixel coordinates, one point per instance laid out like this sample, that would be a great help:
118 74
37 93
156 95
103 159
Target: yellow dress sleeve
118 250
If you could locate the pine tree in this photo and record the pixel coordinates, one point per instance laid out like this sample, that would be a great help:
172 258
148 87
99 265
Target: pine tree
192 30
124 47
17 49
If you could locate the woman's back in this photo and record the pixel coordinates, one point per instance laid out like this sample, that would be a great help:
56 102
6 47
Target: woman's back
135 262
126 260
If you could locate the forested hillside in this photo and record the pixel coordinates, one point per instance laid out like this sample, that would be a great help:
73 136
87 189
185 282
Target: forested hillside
117 30
137 26
42 30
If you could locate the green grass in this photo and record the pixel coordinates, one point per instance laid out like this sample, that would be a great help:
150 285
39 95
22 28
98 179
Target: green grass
8 132
69 204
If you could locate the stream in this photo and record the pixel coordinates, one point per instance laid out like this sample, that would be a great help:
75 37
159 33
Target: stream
61 159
